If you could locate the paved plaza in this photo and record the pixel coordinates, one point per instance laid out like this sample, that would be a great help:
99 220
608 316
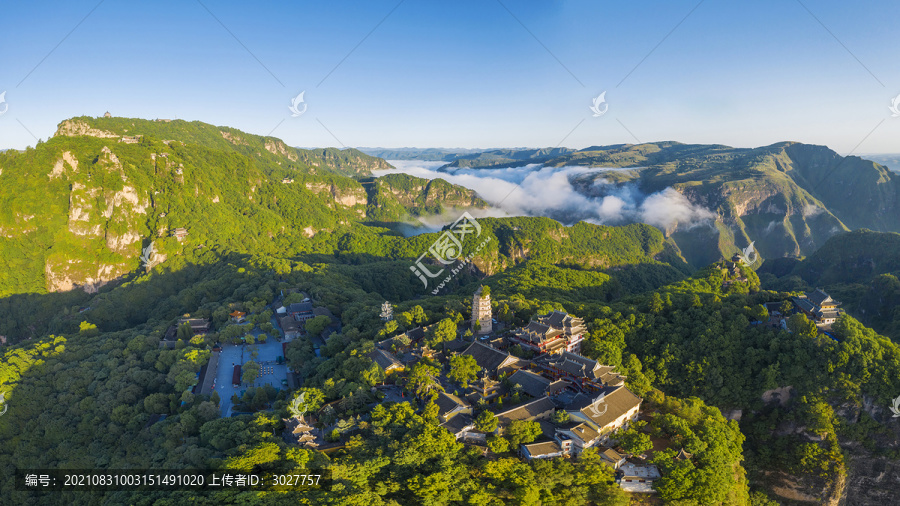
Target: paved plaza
270 372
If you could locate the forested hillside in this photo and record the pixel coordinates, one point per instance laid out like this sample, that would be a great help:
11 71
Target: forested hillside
692 340
788 198
859 268
80 209
737 408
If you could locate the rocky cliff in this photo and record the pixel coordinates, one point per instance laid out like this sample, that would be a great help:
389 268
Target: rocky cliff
76 211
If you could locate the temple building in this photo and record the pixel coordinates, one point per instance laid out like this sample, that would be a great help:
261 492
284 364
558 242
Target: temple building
481 311
492 361
819 307
606 412
555 332
586 373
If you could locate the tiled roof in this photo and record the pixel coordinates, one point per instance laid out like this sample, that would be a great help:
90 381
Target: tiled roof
300 307
819 297
195 323
804 304
555 319
489 359
828 313
537 332
614 404
532 384
561 320
458 424
585 432
527 411
288 323
542 449
610 376
448 402
384 359
456 345
612 455
573 364
557 385
415 334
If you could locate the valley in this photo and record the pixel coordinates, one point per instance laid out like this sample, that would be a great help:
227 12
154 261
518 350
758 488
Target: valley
137 254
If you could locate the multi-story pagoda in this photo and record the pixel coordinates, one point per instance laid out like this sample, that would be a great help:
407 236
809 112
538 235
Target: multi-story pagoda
481 311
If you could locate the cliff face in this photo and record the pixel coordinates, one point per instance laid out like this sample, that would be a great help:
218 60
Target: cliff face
76 211
392 196
106 215
873 479
75 128
787 198
350 195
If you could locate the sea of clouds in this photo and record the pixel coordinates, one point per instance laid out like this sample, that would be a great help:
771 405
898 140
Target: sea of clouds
535 190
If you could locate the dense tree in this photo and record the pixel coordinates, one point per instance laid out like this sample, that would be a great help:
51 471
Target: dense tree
422 379
634 441
249 372
802 326
463 369
88 329
307 400
497 444
316 325
441 332
521 431
486 422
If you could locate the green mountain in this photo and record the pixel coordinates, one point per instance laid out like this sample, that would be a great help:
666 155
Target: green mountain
79 209
788 197
424 154
859 268
891 161
266 150
507 157
110 199
86 383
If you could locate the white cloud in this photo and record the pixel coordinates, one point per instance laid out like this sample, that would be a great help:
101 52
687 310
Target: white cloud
534 190
810 210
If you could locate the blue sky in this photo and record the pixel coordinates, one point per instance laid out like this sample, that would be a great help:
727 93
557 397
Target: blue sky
464 73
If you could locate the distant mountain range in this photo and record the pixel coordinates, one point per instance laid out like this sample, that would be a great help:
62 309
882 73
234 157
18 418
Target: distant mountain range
424 154
79 209
787 198
891 161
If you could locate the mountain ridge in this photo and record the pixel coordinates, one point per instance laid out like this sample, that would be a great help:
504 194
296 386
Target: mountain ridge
788 197
80 208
